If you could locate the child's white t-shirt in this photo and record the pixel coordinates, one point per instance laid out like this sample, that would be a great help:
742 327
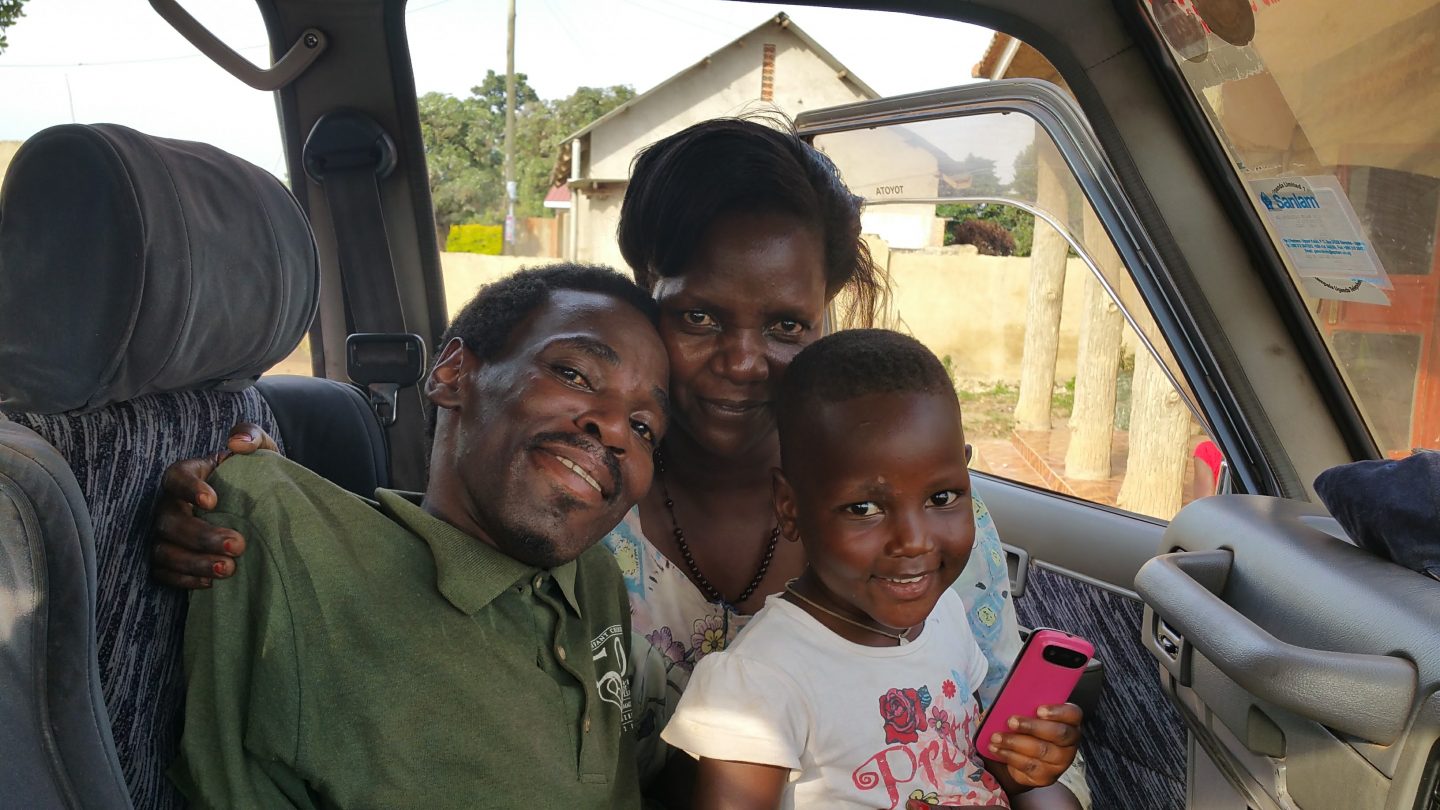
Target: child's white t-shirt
859 727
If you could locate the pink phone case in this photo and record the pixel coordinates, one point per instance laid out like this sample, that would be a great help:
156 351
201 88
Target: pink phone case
1045 672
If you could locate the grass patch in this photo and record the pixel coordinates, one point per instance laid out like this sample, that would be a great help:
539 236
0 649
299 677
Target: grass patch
1062 401
989 411
990 408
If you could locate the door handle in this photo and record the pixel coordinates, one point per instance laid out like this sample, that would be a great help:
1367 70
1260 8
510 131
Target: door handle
1368 696
1017 564
302 54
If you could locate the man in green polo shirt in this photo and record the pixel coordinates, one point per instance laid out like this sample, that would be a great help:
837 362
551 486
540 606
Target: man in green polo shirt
468 650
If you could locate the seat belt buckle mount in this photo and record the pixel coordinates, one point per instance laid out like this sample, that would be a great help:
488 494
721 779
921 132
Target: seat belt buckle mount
348 140
384 362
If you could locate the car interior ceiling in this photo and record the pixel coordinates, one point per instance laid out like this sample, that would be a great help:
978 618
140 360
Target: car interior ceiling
1256 610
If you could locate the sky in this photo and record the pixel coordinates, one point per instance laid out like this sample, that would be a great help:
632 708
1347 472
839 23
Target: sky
116 61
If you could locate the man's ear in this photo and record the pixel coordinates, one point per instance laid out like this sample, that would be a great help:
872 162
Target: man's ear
442 386
786 512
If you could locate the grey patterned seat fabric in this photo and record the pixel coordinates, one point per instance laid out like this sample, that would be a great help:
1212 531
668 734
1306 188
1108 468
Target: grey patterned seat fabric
118 455
47 658
130 349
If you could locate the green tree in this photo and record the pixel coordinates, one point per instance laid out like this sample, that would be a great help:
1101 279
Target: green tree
458 158
465 146
983 181
545 128
1019 223
1026 174
10 11
465 149
1024 187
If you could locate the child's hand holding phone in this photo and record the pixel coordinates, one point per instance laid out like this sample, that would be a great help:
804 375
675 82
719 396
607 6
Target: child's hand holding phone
1035 750
1030 734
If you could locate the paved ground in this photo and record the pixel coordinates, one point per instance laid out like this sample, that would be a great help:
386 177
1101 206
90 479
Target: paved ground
1037 458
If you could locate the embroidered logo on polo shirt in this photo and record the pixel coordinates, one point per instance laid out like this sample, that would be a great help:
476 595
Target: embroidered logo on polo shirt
608 650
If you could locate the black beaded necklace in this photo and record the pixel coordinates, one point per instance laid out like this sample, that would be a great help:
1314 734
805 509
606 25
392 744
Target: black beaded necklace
711 592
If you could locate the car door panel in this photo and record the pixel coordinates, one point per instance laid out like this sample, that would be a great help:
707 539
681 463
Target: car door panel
1306 667
1066 533
1082 559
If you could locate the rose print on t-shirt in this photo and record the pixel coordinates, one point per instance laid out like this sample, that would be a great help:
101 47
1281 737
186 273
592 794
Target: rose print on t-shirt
903 711
928 759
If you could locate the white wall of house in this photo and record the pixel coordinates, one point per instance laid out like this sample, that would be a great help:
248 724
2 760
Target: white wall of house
599 216
904 227
884 164
729 84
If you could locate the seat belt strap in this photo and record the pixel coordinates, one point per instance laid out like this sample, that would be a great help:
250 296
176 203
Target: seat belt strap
348 153
364 251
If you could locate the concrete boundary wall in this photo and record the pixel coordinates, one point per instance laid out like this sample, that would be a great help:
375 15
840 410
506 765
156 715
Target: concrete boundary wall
960 304
972 308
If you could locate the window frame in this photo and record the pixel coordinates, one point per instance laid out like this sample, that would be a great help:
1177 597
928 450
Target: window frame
1061 119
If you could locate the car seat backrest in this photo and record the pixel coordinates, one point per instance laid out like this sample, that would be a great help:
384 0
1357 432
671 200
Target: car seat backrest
54 728
144 284
330 428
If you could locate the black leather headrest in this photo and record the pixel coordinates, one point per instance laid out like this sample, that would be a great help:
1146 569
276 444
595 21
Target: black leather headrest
131 265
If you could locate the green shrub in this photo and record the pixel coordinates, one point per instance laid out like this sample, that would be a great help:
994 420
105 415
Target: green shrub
486 239
988 236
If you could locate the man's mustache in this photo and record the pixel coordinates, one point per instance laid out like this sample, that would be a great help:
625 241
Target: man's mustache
590 447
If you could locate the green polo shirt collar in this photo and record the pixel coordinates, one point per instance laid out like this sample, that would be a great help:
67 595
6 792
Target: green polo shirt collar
470 573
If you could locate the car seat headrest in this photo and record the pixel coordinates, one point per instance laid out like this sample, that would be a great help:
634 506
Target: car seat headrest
132 265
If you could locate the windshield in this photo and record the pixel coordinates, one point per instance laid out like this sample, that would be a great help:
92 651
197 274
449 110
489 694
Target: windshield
1330 113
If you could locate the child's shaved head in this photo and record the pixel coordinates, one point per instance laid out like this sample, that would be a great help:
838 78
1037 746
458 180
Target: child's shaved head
852 364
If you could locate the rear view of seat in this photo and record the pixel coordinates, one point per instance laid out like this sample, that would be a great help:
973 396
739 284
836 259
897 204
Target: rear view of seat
54 729
144 284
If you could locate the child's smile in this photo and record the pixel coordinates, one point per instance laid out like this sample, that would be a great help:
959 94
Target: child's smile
906 587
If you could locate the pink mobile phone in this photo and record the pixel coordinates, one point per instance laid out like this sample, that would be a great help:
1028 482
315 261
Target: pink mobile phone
1045 672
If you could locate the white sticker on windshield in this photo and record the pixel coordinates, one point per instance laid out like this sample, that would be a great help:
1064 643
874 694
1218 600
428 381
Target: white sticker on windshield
1345 289
1318 228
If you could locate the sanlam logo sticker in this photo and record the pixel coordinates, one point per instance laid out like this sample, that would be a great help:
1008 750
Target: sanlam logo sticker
1289 195
1313 220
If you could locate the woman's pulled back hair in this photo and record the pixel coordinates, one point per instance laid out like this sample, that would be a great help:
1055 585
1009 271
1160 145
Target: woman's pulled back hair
681 184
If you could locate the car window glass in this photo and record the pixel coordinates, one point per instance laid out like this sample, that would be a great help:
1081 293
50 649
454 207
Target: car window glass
1001 267
1327 110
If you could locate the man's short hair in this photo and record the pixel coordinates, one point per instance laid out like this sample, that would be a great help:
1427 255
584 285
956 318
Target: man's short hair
853 363
486 323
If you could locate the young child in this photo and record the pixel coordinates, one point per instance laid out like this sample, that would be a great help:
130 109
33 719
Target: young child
855 688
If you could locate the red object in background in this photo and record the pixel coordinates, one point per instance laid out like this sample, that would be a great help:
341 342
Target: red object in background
1207 452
